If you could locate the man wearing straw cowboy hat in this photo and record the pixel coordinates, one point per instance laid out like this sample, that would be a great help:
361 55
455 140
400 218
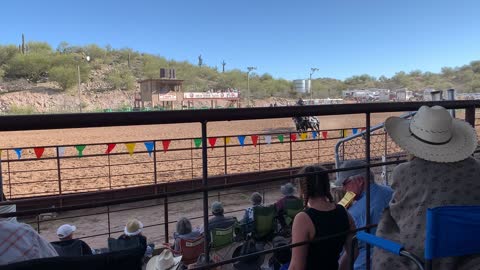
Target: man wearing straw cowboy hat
441 171
164 261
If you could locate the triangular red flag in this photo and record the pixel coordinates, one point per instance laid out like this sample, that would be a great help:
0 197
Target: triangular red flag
165 144
110 147
255 140
324 134
39 151
363 129
293 137
212 141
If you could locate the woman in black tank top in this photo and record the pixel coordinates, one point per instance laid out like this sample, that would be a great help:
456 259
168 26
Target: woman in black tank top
321 218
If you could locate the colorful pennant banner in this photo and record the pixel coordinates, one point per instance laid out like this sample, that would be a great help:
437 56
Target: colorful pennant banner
324 134
149 146
80 149
110 147
254 140
280 138
130 148
19 152
61 151
166 144
39 151
227 140
212 141
314 134
303 135
268 139
354 130
197 142
293 137
241 140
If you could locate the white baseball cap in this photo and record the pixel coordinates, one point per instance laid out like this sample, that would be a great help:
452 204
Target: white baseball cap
65 230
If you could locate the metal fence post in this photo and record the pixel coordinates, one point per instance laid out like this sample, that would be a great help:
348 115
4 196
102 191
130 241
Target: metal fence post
108 220
165 219
291 152
367 201
58 172
155 164
9 177
205 191
259 156
109 172
225 153
470 115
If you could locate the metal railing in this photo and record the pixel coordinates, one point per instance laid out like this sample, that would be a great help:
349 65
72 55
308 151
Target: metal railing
9 123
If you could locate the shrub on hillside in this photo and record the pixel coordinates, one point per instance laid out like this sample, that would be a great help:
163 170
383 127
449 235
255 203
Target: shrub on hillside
121 78
32 66
21 109
39 47
7 53
65 76
2 74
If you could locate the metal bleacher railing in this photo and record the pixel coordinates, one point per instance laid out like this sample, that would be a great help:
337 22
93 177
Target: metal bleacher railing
37 122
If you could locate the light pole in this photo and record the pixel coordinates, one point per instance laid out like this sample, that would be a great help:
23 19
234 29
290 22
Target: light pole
312 70
248 84
86 57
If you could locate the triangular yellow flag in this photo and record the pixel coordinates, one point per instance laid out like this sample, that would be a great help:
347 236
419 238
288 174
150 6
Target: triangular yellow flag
227 140
345 133
303 135
130 148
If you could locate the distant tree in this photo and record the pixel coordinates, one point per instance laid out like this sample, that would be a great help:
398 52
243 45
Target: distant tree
65 76
200 60
39 47
63 47
223 66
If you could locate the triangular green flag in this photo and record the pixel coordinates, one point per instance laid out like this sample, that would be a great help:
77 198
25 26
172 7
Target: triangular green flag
80 149
280 138
198 142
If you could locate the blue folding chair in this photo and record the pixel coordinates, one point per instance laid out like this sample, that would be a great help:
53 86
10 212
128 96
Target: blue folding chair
451 231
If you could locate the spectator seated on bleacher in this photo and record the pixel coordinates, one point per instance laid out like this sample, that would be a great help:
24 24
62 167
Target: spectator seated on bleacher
219 221
68 246
131 238
19 242
185 232
288 206
164 261
248 219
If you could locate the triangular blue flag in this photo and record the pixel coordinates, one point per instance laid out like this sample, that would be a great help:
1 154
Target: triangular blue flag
241 140
314 134
149 146
19 152
354 130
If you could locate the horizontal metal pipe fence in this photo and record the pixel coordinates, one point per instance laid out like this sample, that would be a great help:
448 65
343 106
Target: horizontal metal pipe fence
58 172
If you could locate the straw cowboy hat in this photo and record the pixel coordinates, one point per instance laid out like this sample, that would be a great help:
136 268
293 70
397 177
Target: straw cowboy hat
433 135
164 261
133 227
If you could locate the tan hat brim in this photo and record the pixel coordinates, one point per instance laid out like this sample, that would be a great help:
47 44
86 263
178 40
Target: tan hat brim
462 145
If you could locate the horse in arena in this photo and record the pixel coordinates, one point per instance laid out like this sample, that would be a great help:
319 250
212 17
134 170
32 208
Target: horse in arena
303 124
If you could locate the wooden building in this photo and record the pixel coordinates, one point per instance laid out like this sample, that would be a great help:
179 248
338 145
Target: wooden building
163 92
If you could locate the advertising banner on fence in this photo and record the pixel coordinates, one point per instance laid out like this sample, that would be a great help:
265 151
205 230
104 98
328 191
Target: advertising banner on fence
167 97
206 95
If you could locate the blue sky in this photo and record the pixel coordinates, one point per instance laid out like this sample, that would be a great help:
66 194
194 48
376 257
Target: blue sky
284 38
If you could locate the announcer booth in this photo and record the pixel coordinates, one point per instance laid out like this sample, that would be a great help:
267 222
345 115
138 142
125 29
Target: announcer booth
163 92
231 98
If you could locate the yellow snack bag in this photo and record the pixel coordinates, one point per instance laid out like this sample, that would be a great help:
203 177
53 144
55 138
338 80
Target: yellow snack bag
347 200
